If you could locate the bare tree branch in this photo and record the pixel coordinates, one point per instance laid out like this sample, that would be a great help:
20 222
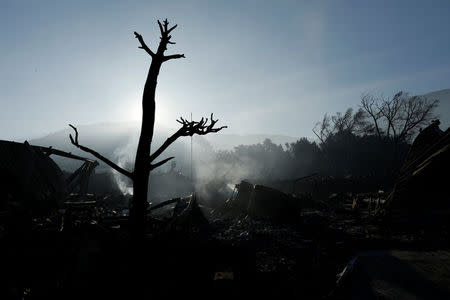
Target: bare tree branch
189 128
368 104
161 28
166 144
418 110
401 115
168 31
158 164
143 45
166 23
325 129
166 58
165 39
97 155
320 138
201 128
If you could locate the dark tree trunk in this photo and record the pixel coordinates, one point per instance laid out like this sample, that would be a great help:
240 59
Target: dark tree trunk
144 161
142 165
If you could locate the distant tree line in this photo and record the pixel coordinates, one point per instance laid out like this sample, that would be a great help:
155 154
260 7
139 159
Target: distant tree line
371 141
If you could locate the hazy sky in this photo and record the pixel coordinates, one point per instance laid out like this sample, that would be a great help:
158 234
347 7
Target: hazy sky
262 66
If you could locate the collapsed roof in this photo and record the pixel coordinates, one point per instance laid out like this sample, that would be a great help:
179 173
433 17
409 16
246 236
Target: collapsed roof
30 179
421 187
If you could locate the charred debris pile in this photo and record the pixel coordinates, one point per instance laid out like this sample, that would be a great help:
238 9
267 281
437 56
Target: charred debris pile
58 241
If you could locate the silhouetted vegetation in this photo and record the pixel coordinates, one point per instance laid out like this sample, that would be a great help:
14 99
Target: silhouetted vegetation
370 142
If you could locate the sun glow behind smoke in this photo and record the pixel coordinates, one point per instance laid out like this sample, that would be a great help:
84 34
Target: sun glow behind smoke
131 111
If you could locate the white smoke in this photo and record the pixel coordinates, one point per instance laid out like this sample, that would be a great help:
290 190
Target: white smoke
124 157
215 179
211 177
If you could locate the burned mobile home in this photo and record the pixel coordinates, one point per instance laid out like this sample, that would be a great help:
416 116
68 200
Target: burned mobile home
421 188
31 180
33 186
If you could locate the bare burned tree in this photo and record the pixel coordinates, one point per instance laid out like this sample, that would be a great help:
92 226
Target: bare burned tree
145 162
398 118
323 129
369 105
349 122
401 116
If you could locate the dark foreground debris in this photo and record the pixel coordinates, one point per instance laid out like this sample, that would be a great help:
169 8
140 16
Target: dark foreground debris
85 251
259 243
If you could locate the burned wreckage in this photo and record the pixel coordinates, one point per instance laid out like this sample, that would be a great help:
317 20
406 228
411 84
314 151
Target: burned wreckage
260 241
32 181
